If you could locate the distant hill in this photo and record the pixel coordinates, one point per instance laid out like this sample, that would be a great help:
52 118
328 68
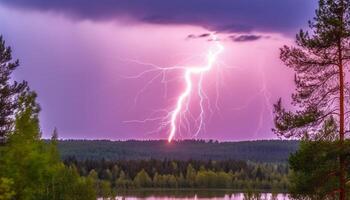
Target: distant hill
259 151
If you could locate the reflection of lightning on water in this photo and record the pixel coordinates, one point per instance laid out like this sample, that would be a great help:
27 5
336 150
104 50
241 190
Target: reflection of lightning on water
180 115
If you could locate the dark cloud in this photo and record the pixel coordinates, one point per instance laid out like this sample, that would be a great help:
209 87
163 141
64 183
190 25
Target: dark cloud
204 35
246 38
193 36
284 16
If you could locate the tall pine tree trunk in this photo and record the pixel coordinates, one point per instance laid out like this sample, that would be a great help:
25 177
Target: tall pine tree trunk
341 135
341 124
342 181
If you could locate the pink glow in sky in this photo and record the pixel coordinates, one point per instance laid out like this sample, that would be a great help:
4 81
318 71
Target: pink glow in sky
78 68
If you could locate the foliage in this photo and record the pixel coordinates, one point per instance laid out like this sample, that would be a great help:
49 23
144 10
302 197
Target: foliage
142 179
105 188
229 174
35 166
315 170
9 91
6 189
318 62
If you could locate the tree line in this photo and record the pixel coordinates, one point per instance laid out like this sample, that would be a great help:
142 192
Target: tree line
112 176
257 151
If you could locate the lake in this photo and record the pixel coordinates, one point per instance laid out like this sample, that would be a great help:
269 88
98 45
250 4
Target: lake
198 195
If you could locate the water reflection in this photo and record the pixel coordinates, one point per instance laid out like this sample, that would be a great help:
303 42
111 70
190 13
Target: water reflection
202 195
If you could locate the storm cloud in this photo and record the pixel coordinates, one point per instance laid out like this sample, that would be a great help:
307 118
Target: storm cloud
193 36
246 38
284 16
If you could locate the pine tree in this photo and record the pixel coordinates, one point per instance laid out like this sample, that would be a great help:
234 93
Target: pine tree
190 175
319 61
142 179
8 91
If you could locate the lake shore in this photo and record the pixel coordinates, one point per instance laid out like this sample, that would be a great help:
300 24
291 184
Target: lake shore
190 192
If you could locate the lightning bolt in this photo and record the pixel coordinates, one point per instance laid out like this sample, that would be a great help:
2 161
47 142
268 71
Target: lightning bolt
189 72
172 120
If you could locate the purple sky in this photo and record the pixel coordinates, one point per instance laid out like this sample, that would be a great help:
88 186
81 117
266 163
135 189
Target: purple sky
77 55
